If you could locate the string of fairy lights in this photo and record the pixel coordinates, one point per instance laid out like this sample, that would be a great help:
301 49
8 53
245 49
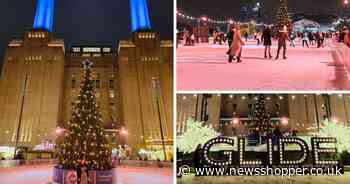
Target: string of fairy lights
188 17
207 19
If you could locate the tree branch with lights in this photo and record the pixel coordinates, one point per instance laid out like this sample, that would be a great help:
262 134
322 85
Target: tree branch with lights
196 133
85 143
261 117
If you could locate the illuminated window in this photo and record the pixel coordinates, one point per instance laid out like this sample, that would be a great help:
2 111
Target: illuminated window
107 49
91 49
76 49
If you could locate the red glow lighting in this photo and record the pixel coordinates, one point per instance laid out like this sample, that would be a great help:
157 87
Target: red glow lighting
235 121
124 132
59 130
284 121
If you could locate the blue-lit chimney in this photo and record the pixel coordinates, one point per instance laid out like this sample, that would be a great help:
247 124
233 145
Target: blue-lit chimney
139 15
44 15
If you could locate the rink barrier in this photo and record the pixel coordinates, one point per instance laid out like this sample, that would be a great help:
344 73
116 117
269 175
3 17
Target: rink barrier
136 163
15 163
141 163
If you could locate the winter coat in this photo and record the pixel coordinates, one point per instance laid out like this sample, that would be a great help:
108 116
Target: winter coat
305 37
237 44
347 40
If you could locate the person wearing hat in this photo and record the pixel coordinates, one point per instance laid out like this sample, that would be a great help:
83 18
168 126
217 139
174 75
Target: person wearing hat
282 42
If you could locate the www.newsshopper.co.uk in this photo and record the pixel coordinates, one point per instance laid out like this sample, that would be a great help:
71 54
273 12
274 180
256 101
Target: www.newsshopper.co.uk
261 171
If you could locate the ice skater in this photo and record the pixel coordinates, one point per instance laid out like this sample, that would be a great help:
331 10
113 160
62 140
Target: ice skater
235 50
229 36
266 36
293 36
282 42
305 39
246 36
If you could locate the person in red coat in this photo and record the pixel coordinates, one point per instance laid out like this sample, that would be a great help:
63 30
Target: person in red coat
235 50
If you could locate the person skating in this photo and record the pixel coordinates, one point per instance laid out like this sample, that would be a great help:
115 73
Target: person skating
230 36
318 39
236 47
258 38
311 38
321 37
347 38
292 38
305 39
266 36
282 42
246 36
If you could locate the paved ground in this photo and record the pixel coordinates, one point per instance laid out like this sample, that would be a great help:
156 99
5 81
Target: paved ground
205 67
125 175
265 180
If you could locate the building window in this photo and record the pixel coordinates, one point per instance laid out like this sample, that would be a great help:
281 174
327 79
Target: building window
111 84
97 81
98 85
73 83
76 49
111 106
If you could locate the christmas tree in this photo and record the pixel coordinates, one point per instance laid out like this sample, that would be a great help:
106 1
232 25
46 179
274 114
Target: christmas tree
194 135
282 18
85 143
261 117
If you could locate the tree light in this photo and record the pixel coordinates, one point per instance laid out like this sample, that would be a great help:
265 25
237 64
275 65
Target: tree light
284 121
59 130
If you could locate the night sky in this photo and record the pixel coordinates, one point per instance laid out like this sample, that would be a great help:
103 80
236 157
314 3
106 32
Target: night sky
83 22
231 8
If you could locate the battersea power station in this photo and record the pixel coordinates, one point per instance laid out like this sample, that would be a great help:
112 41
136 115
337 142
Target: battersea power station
133 84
